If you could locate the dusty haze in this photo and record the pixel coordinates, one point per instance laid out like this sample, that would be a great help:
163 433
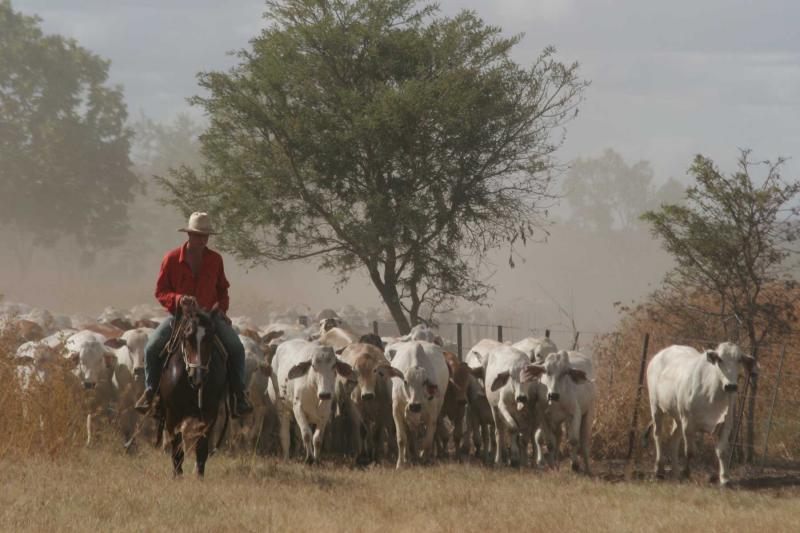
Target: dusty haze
668 82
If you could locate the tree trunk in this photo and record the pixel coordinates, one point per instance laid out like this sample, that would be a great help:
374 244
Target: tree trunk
399 317
392 300
752 392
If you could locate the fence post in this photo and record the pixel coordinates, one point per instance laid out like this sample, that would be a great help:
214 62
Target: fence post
459 342
634 422
575 340
499 333
375 328
772 406
547 333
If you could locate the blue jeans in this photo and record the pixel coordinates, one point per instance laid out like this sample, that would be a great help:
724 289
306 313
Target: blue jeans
159 338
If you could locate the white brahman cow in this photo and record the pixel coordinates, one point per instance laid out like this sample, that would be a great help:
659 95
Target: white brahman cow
512 400
697 392
305 373
567 394
420 376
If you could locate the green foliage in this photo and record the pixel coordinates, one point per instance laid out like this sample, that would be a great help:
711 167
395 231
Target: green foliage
377 135
733 239
606 193
64 167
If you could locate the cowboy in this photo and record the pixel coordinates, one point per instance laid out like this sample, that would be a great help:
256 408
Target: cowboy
192 276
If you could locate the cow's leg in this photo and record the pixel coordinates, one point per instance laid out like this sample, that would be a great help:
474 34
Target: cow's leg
499 434
355 430
88 430
402 436
674 443
539 440
585 436
427 455
305 432
319 433
657 438
721 448
458 432
285 432
688 433
489 441
574 435
441 438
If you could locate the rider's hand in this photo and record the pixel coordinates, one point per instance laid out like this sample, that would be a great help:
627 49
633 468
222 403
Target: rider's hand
188 302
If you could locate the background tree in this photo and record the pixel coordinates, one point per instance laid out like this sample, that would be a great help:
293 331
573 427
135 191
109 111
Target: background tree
378 135
606 193
64 167
733 240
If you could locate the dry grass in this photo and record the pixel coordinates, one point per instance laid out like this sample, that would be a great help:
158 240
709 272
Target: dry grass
47 418
103 490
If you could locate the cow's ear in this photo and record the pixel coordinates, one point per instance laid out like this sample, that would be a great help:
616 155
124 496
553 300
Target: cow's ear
500 380
392 372
477 372
432 389
343 369
266 370
266 339
750 365
115 343
713 357
531 372
299 369
578 376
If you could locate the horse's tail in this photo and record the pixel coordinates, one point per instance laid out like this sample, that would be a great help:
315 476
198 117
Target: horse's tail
224 425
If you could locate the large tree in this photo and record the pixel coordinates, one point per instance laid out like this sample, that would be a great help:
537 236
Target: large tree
734 239
379 135
64 167
606 192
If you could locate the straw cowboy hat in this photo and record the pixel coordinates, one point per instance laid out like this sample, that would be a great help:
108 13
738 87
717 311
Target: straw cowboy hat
199 222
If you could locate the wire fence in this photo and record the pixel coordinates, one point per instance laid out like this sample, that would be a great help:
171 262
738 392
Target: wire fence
772 398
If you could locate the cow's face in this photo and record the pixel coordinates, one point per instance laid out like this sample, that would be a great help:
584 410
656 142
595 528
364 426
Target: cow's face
365 373
727 360
95 362
543 349
418 390
329 323
321 371
556 375
459 381
517 384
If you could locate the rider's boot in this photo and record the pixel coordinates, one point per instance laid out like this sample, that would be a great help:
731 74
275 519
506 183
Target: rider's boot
145 402
241 405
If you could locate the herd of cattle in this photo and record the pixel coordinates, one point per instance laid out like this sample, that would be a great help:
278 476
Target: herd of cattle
374 398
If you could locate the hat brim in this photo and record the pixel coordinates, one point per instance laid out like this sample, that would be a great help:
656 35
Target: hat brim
188 230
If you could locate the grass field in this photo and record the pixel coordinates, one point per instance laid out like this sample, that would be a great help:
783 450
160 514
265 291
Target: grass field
103 490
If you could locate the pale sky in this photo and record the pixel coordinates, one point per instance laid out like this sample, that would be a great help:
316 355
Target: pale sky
669 80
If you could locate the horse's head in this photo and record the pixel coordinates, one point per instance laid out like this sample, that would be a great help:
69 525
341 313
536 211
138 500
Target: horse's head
197 337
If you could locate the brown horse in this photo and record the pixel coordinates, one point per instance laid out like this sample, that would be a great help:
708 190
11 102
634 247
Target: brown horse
193 383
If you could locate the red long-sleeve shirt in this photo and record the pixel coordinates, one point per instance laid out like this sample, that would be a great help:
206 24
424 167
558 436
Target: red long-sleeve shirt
176 279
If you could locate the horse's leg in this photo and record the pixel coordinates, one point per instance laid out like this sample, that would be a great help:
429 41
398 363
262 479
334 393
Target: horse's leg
177 453
201 452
